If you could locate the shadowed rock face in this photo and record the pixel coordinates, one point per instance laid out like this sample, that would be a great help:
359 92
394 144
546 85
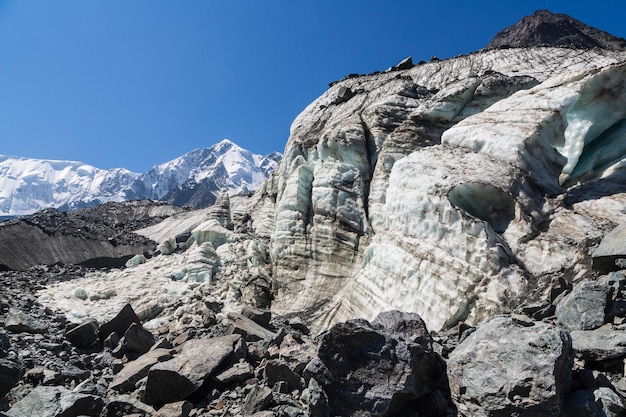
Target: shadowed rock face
544 28
96 237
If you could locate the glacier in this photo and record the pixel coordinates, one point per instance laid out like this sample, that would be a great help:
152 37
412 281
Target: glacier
442 189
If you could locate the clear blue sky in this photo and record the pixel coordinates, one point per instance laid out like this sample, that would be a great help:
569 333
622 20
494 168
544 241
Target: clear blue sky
134 83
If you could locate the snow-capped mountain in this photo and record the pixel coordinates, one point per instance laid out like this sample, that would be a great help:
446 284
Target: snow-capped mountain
28 185
196 178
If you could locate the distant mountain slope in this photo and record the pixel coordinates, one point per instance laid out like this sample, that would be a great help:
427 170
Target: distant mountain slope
194 179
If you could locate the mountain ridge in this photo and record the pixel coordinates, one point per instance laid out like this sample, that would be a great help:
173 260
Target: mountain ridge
28 184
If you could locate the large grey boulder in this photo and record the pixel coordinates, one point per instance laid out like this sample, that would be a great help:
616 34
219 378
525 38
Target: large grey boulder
506 369
379 368
178 378
56 402
584 307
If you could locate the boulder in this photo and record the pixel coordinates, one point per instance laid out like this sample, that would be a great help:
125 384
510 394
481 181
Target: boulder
178 378
120 323
506 369
125 405
10 374
317 400
21 322
276 370
378 368
134 371
178 409
599 344
136 341
250 330
84 334
610 250
56 402
584 307
240 371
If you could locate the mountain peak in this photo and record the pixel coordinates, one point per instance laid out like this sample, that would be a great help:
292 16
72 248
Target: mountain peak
544 28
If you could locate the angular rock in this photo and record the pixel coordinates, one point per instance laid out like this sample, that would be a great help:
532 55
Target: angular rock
178 409
584 307
56 402
368 370
317 400
250 330
275 371
10 374
240 371
258 399
136 340
176 379
134 371
505 369
125 405
84 334
599 344
120 323
610 250
260 316
294 350
21 322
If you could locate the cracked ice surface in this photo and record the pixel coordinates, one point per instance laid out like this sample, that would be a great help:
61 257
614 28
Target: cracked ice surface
467 159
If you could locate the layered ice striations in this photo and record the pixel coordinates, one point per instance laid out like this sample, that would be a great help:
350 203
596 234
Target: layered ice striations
440 189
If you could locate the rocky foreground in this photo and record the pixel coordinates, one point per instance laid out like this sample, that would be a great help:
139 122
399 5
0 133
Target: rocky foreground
565 358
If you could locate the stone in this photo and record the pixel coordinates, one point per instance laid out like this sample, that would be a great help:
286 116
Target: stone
137 340
259 398
317 400
21 322
610 249
275 370
506 369
260 316
374 370
120 323
125 405
84 334
56 402
600 344
10 374
584 307
294 350
250 330
240 371
178 378
125 380
178 409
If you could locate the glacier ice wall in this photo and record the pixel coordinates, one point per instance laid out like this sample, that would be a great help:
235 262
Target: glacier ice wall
443 189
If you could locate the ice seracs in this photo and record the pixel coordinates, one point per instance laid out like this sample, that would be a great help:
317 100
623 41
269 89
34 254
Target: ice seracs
440 189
